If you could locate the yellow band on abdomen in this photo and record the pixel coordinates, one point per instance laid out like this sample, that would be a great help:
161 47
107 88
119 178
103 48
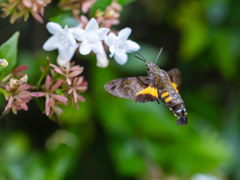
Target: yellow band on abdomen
167 99
164 94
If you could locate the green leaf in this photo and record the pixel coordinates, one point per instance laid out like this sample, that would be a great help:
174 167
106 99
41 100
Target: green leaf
100 4
65 19
8 51
5 93
124 2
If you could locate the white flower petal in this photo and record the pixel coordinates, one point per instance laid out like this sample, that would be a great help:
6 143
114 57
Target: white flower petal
85 48
200 176
98 48
62 61
102 60
112 50
71 40
90 37
52 43
130 46
67 52
92 25
78 33
74 28
124 33
53 28
110 39
64 52
102 32
121 57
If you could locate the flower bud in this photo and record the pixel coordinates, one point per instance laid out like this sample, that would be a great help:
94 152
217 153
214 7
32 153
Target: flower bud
3 63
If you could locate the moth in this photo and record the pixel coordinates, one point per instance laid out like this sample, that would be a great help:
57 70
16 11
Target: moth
159 84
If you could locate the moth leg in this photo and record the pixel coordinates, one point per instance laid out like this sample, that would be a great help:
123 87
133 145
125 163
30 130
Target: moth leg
157 101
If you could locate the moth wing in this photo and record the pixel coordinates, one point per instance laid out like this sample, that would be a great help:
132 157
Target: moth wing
148 94
175 76
127 87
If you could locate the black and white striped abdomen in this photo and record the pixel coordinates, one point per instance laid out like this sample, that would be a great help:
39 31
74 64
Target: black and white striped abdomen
173 100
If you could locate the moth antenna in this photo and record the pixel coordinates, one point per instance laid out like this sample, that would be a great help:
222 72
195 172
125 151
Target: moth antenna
140 55
158 55
140 58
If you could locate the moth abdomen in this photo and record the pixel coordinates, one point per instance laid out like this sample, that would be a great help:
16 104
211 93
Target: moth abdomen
175 103
182 120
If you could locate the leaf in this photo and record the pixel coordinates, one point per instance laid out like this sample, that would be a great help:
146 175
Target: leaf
8 51
5 93
124 2
64 19
100 4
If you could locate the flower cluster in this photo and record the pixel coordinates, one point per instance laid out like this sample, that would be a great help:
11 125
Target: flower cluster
89 36
76 5
74 85
17 90
89 39
63 85
106 18
19 98
110 16
22 8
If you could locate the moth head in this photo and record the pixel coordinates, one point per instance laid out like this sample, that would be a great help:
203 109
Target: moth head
151 67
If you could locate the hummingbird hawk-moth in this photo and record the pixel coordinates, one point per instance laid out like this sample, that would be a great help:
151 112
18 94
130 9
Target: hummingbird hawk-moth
158 84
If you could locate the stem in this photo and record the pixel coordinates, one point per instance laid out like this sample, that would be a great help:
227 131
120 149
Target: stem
6 77
44 73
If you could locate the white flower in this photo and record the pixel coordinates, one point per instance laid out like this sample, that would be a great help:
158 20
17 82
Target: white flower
91 38
102 60
62 61
204 177
119 46
62 40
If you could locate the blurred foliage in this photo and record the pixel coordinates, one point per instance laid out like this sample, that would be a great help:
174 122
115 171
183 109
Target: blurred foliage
124 2
100 5
112 138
